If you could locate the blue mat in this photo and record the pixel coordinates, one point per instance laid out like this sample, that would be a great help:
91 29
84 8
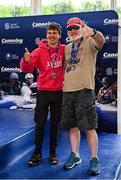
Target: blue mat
109 154
107 114
14 123
14 155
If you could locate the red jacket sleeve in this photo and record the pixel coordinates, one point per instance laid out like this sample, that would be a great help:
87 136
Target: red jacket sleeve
32 64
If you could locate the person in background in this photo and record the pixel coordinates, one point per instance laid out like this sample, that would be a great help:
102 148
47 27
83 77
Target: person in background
105 94
28 85
13 86
78 108
48 58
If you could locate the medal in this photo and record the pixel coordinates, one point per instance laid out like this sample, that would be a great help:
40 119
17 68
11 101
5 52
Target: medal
53 75
73 68
70 68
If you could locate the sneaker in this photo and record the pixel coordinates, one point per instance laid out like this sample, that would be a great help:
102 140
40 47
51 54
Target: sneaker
72 161
94 167
53 159
34 160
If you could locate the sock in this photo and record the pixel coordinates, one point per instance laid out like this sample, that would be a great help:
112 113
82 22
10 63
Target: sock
77 155
95 157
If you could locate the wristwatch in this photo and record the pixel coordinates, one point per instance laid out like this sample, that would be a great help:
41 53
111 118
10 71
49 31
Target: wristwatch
94 32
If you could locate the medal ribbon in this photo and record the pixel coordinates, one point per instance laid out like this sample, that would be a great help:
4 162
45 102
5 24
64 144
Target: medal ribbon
74 52
56 55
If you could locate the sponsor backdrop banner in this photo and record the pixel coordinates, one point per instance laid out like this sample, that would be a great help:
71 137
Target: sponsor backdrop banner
20 32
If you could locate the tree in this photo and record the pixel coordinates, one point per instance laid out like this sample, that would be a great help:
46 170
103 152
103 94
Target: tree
13 11
94 6
58 8
119 12
19 11
4 11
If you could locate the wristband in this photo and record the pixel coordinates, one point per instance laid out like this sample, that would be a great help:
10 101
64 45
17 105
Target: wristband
94 32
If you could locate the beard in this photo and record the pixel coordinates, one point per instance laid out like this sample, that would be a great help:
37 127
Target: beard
75 37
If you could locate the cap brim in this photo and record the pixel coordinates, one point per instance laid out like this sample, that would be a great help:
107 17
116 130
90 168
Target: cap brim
73 24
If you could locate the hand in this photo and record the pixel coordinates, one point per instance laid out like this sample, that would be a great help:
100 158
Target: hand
87 31
26 55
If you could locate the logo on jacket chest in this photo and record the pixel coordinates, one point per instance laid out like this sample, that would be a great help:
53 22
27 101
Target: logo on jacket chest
55 61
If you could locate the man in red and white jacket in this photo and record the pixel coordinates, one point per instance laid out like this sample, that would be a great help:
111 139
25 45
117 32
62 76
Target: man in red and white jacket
48 58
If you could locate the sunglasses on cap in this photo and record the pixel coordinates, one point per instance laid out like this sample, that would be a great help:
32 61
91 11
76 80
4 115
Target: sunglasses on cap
73 27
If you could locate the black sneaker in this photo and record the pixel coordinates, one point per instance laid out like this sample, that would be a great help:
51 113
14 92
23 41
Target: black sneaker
53 159
34 160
